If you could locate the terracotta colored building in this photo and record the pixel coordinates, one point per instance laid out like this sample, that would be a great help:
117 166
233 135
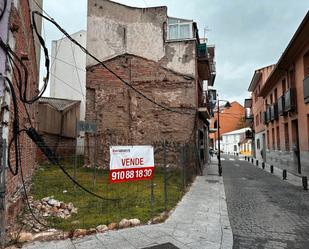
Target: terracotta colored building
259 142
231 119
286 97
16 30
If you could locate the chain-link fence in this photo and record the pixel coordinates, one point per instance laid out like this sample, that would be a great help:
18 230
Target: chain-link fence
58 202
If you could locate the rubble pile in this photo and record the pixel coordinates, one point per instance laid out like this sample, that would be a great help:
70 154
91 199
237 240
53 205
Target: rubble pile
49 206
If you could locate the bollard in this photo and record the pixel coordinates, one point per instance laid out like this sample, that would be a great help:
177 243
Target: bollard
251 160
305 182
263 165
245 157
284 174
257 162
272 169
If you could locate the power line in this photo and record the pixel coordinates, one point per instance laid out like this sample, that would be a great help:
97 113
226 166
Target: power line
107 68
80 84
68 84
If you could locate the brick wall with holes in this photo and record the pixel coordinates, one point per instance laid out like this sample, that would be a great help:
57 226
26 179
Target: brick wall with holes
20 28
124 117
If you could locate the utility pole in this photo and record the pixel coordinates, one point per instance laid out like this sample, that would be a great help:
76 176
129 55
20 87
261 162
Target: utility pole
219 151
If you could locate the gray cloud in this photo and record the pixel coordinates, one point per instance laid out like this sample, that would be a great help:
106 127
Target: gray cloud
248 34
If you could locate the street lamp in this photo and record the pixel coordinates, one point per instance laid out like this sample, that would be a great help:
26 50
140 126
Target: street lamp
227 105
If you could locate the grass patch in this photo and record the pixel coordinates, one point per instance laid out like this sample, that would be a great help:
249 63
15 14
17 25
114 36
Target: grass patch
135 196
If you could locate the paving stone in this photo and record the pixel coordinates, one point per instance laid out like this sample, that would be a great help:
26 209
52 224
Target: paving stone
265 211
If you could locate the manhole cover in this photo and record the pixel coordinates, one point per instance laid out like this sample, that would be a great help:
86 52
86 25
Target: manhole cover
163 246
212 181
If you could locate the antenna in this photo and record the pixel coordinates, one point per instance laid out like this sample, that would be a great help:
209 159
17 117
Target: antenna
206 29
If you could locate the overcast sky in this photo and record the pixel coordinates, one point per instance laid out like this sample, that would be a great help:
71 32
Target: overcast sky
248 34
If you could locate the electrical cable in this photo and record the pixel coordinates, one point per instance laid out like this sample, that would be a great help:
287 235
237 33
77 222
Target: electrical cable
3 9
15 138
102 64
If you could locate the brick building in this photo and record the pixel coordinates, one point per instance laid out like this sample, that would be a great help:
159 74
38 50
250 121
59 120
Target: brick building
286 111
16 31
231 118
258 80
160 56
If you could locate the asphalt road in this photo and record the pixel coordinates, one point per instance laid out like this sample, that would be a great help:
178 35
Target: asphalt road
264 211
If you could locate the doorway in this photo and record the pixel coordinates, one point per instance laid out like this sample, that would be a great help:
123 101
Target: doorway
295 146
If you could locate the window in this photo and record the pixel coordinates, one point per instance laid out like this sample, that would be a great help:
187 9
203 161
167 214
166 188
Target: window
275 95
179 29
258 145
271 98
283 86
235 147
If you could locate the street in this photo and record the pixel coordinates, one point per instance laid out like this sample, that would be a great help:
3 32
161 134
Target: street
264 211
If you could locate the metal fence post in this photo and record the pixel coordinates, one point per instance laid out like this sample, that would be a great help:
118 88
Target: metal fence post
95 160
2 194
165 176
183 159
151 197
75 156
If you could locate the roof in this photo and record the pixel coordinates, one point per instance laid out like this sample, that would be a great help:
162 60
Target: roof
59 104
240 131
256 77
298 41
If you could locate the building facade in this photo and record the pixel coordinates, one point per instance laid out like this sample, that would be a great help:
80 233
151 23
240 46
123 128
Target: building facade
231 118
286 111
162 58
258 108
233 142
68 74
16 30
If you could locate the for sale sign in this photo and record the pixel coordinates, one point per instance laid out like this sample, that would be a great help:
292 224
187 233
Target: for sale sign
131 163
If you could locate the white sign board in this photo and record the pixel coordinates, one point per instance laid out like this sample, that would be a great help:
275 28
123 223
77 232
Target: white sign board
131 163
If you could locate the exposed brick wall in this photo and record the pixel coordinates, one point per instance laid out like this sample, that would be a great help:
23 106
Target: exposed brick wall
123 117
24 46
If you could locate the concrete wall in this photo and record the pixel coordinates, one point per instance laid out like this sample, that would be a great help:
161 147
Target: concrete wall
68 71
115 29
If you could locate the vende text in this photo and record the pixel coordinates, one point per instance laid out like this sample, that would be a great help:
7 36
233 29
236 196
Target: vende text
132 162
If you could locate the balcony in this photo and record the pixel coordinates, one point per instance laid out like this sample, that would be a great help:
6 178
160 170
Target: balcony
266 116
306 90
289 100
202 51
204 106
206 63
281 106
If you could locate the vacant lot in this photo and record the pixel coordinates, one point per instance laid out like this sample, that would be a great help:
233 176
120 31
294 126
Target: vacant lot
134 197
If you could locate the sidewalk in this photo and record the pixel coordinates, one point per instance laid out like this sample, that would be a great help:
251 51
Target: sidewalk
291 178
200 221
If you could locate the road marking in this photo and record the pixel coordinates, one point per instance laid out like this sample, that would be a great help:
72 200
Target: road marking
237 165
222 159
232 159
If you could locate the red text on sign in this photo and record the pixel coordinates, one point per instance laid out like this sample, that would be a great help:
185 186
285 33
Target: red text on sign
132 162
